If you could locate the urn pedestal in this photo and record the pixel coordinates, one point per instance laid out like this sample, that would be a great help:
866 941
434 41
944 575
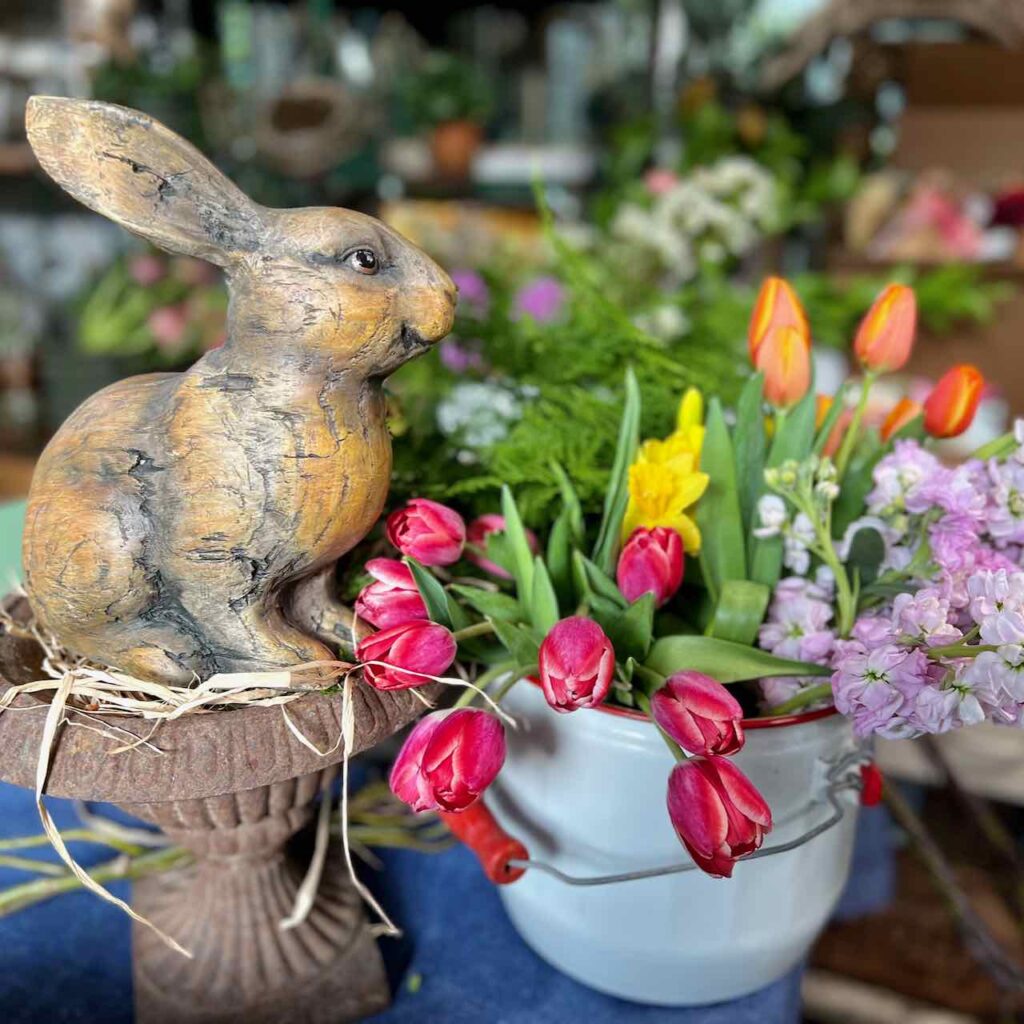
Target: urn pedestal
237 789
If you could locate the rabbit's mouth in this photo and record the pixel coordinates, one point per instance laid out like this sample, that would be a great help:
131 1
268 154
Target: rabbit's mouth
411 342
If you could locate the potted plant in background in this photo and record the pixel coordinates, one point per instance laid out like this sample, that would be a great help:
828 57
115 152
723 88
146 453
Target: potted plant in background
451 98
761 594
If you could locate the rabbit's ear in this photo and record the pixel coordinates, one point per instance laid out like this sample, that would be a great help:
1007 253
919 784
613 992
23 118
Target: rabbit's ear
138 173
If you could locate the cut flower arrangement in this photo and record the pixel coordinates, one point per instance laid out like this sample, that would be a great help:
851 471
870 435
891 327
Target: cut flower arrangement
782 557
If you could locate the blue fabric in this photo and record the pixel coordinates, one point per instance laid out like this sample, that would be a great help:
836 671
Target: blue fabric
69 960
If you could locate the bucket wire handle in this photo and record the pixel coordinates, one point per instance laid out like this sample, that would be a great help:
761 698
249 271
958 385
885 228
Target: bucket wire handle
505 859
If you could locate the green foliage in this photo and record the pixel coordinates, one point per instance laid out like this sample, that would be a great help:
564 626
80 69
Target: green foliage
445 88
724 660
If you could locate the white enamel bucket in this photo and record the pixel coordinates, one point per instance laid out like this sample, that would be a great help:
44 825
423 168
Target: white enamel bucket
585 792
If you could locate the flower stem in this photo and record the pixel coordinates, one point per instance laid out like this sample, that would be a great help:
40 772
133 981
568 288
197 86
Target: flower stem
495 672
801 699
853 430
478 629
960 650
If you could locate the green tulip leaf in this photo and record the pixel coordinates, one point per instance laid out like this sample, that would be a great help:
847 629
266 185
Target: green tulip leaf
520 642
571 507
491 604
543 603
630 631
594 582
522 556
559 557
724 660
617 495
432 593
749 448
740 611
722 554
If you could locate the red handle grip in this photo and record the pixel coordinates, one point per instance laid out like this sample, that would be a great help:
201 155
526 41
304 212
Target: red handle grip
871 785
493 846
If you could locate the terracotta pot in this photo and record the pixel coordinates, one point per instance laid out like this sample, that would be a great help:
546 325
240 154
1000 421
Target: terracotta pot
453 146
235 788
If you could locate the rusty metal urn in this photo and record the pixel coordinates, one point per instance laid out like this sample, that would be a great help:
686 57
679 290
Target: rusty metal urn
235 788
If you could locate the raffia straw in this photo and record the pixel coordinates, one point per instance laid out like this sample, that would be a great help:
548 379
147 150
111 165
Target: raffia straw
54 717
107 828
348 722
305 897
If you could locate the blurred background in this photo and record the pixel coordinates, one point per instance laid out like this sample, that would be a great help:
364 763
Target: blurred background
607 182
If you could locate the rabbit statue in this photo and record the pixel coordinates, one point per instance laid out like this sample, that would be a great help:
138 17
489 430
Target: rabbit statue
176 520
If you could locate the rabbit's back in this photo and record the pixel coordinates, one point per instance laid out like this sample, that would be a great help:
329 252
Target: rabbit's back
86 527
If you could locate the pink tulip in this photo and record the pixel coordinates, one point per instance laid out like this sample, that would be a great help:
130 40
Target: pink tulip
393 599
717 813
577 662
411 654
699 713
476 536
651 562
448 760
431 533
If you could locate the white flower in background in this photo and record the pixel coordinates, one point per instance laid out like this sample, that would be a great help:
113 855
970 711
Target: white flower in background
479 412
665 322
772 511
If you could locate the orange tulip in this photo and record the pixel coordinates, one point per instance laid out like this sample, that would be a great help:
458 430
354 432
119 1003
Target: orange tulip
886 334
835 435
950 408
785 359
776 306
905 410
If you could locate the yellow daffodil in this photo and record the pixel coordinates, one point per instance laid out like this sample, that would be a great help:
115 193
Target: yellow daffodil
674 451
689 430
659 494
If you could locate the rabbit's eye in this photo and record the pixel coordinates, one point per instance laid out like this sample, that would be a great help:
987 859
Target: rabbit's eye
364 260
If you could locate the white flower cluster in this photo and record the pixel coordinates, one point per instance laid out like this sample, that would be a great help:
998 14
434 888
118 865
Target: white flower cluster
478 413
712 214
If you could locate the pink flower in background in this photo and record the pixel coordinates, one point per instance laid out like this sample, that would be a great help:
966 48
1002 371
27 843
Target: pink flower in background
428 531
699 713
577 662
393 598
923 618
448 760
459 358
651 563
717 813
146 269
474 295
408 655
798 620
169 327
476 536
660 180
543 298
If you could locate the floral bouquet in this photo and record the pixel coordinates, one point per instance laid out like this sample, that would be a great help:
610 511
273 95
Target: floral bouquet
768 560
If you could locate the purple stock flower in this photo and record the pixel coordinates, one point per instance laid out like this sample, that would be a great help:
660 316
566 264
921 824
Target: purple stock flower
1005 512
543 298
899 478
923 618
997 679
877 687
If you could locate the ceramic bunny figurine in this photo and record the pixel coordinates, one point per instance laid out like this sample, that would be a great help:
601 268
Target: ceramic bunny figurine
175 520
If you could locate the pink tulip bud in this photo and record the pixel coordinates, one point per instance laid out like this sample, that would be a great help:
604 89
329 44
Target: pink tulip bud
577 662
411 654
717 813
448 760
651 562
393 599
699 713
476 535
431 533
